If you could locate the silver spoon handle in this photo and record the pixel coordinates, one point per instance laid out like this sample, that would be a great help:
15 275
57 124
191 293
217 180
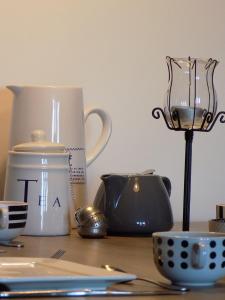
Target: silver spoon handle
167 286
82 292
164 285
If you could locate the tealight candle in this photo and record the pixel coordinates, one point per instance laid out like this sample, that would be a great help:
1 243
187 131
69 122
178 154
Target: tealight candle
190 117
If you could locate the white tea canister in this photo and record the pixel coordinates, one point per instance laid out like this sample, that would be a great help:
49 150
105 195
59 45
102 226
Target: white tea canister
38 173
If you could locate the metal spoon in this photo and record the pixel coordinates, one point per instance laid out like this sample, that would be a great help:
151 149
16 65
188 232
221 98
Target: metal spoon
161 284
82 293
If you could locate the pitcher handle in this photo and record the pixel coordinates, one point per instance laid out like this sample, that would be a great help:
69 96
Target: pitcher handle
105 134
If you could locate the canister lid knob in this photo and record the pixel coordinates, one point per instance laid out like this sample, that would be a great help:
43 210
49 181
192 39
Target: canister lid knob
38 135
39 144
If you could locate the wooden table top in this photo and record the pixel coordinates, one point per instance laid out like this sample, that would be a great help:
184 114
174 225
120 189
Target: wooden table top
134 254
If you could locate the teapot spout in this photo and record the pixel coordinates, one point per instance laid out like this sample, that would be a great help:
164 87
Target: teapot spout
167 184
114 180
109 191
106 177
14 88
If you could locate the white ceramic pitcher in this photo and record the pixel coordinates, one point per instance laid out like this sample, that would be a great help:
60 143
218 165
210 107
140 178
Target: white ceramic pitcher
59 111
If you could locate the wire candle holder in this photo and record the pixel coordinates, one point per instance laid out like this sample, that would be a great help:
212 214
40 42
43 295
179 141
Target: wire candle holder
190 105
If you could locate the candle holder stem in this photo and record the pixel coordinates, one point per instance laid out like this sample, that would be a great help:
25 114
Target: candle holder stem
207 125
187 179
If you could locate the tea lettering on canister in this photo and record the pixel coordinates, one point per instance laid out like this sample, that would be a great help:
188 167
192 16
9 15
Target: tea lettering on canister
56 202
26 186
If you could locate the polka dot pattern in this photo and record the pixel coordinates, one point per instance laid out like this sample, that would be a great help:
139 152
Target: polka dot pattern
167 253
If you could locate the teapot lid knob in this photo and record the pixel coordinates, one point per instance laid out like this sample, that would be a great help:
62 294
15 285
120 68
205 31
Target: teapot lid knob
148 172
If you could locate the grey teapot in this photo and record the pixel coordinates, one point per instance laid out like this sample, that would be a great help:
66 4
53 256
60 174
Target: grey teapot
135 204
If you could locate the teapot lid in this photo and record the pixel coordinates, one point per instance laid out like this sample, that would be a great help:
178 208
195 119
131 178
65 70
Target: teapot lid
39 144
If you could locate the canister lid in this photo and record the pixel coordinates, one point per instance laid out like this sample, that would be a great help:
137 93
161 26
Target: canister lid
39 144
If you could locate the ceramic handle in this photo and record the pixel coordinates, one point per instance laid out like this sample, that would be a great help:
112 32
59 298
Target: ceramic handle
198 256
105 134
3 218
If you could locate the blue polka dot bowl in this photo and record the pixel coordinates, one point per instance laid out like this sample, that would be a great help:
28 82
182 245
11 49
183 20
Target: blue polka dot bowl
194 259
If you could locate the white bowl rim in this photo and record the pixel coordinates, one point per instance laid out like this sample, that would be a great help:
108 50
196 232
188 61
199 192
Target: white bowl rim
189 234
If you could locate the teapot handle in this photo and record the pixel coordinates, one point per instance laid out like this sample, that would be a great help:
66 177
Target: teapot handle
105 134
167 184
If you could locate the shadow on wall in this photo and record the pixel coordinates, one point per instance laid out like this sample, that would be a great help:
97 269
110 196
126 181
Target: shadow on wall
6 99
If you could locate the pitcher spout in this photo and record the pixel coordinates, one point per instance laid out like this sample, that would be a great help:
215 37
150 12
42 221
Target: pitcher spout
14 88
